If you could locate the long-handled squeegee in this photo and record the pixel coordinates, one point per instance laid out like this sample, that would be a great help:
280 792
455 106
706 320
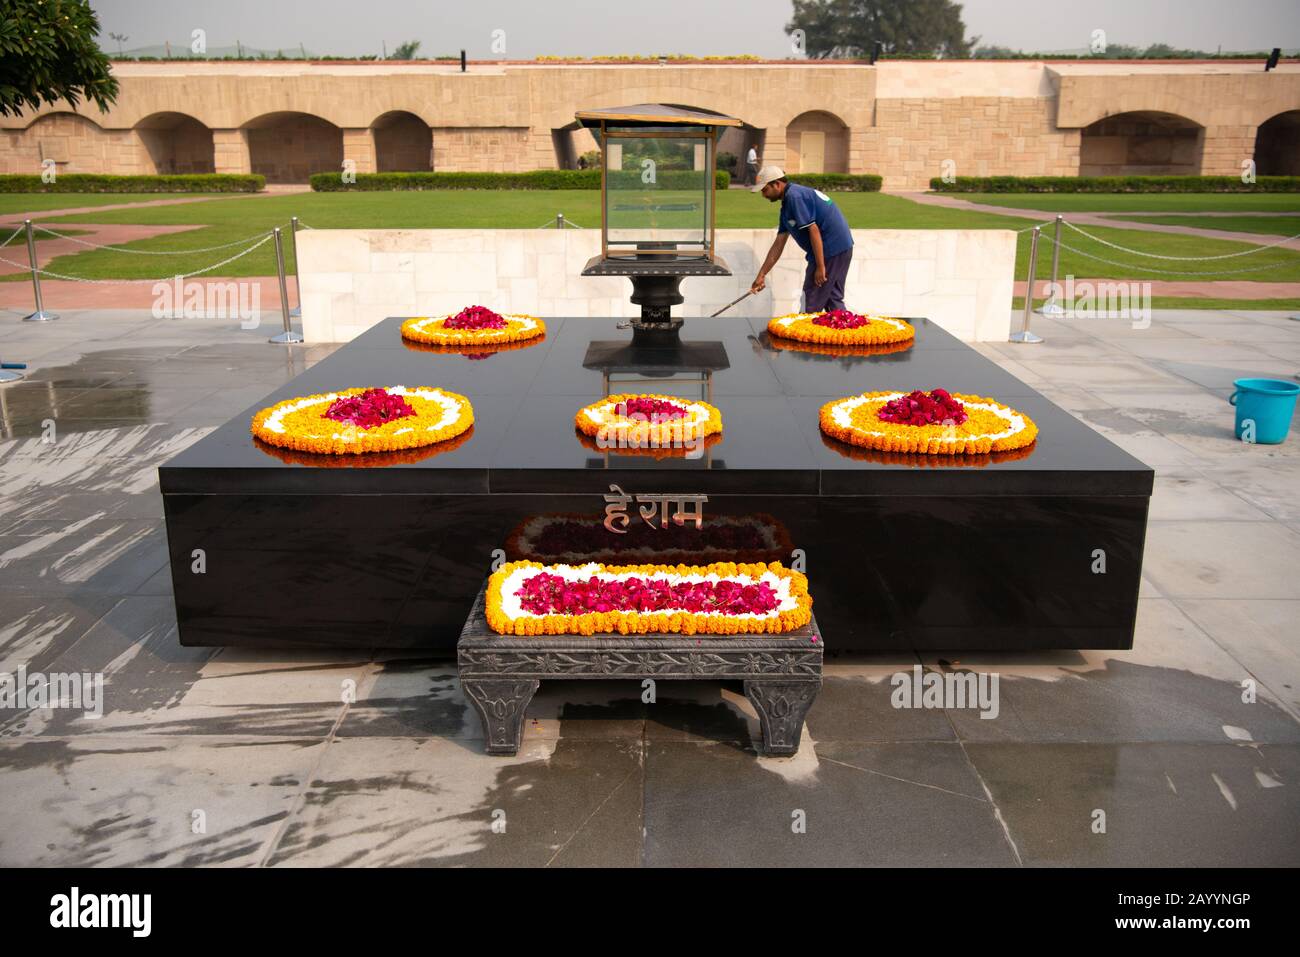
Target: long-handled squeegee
748 293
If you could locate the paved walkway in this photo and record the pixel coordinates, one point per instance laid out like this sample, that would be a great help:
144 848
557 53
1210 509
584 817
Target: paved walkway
1097 219
288 771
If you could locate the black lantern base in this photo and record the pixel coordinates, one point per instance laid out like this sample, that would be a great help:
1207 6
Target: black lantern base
656 288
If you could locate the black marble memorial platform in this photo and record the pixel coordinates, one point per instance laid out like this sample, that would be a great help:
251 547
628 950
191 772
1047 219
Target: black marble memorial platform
993 552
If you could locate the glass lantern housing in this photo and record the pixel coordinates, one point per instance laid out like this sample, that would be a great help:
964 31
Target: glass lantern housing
657 181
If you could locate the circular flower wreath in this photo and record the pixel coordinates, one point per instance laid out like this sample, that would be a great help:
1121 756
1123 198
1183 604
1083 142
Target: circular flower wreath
834 351
353 421
472 326
472 352
940 423
648 421
841 328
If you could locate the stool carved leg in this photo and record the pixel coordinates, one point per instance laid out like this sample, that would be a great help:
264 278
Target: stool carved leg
781 707
501 704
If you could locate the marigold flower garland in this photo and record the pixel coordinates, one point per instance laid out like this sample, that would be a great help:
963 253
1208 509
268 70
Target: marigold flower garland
643 421
841 328
725 598
945 423
472 326
355 421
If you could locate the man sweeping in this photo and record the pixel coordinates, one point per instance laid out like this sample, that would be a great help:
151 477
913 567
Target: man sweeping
820 230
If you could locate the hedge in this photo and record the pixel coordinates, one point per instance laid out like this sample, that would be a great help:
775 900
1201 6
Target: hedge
1115 184
533 179
104 183
838 182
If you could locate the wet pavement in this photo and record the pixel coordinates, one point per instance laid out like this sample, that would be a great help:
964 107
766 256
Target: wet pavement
1183 751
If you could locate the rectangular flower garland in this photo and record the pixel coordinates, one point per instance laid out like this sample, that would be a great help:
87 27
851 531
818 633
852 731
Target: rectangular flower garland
725 598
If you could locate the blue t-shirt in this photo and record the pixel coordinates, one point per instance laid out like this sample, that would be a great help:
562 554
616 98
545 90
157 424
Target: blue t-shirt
801 207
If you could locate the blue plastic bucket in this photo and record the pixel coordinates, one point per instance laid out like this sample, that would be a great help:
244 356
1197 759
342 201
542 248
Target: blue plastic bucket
1264 409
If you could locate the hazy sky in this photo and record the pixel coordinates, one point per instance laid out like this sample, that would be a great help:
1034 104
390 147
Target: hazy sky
586 27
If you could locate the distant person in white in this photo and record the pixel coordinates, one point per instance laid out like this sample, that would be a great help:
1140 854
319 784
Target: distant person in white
751 166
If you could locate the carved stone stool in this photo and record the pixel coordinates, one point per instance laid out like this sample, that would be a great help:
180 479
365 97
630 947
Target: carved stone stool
500 673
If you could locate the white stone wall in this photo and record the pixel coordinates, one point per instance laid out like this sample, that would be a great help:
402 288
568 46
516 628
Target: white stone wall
353 278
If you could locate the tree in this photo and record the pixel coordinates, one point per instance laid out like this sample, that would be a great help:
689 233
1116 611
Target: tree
852 28
48 53
406 51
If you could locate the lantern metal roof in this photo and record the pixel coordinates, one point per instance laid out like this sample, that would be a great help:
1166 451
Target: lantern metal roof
653 114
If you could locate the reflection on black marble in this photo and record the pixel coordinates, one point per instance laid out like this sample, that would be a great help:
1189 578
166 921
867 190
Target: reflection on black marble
901 554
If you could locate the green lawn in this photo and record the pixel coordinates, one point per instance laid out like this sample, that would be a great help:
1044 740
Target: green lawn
35 202
1272 225
243 218
1139 202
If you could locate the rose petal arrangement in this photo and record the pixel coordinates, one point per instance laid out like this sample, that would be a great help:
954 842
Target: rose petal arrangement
725 598
648 421
472 326
841 327
356 421
571 537
934 423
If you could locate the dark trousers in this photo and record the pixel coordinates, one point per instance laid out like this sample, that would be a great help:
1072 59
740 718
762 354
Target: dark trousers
829 295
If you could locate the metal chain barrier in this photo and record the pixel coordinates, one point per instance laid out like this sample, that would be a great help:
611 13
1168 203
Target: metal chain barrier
1174 272
148 252
16 233
119 282
1138 252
